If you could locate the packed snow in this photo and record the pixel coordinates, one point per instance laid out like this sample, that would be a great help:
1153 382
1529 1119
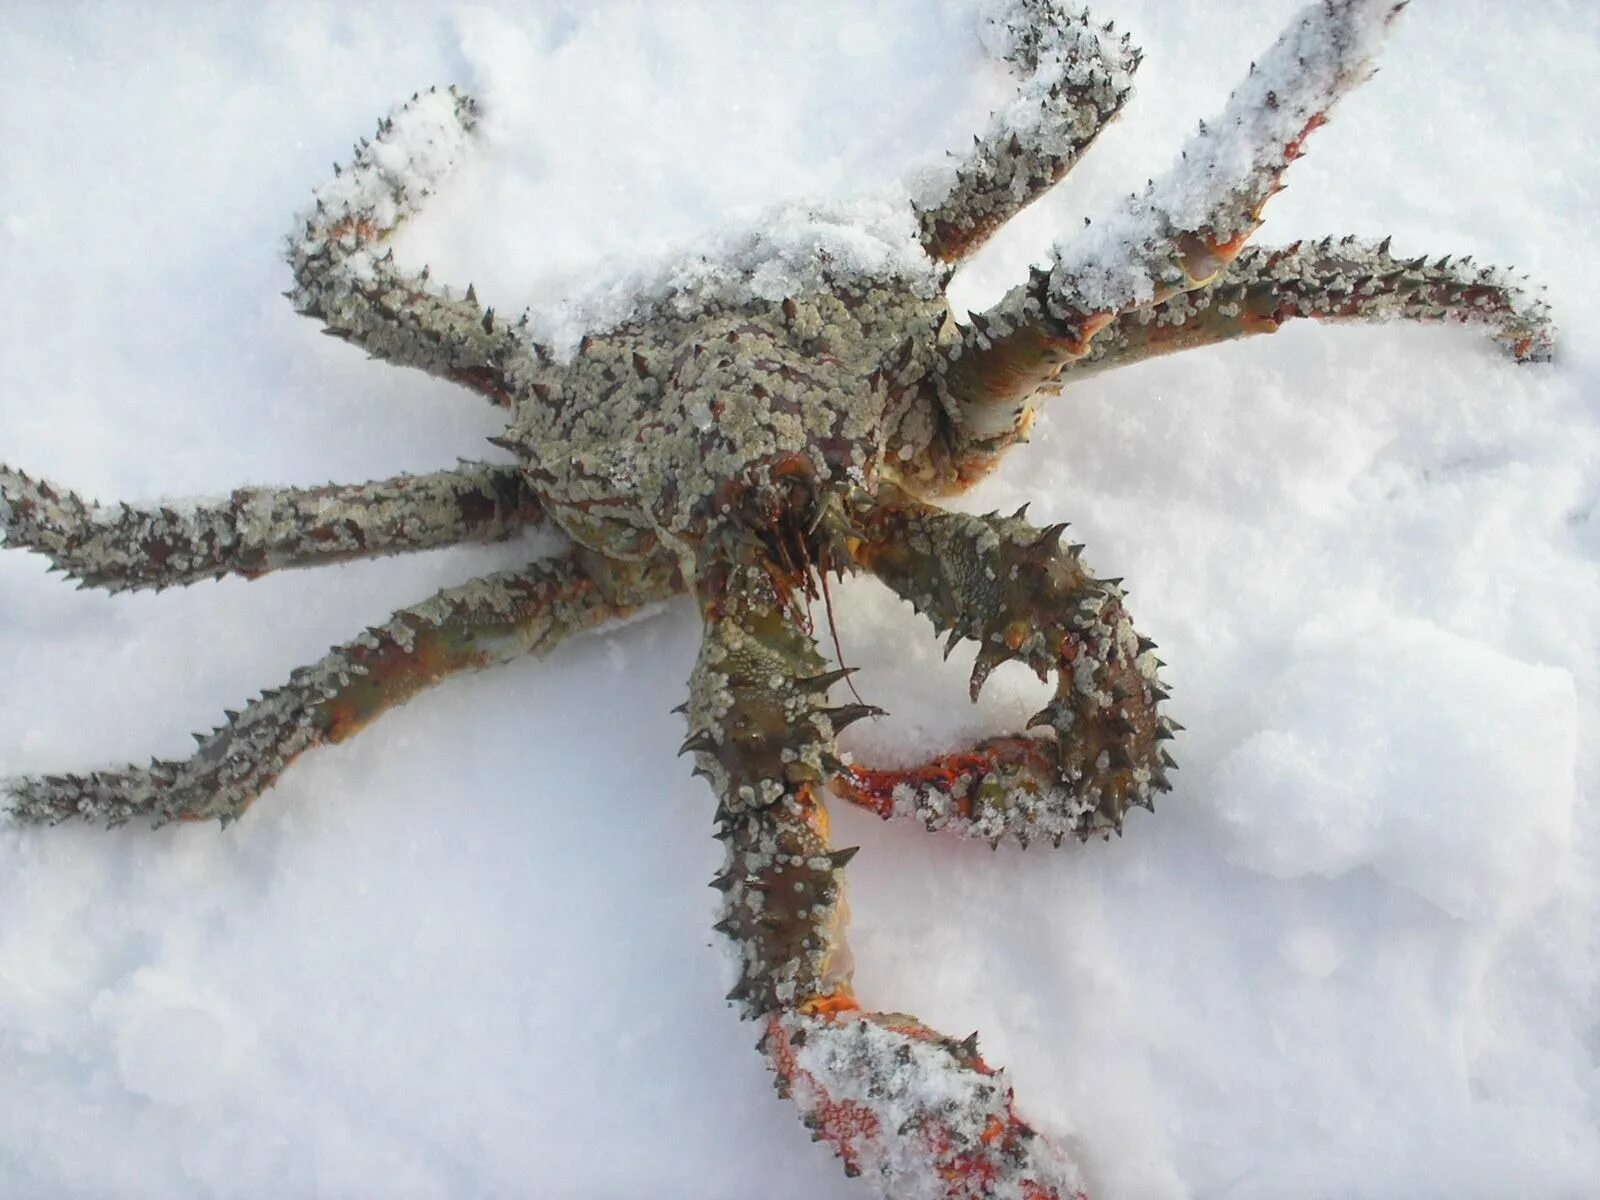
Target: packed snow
468 953
783 250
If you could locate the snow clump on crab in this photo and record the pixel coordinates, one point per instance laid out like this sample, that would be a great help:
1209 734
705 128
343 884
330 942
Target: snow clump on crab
793 249
1215 188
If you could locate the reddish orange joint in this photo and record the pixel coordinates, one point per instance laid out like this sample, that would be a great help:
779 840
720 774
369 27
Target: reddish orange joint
831 1005
1297 147
1229 250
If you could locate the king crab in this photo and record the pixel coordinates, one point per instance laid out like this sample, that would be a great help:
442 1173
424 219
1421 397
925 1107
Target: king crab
743 442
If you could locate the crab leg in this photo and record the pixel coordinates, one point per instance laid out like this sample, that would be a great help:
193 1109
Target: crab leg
256 530
1022 595
360 296
1073 78
1177 236
1348 280
491 620
914 1112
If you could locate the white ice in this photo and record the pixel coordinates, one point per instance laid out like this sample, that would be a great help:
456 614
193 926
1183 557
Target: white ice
469 954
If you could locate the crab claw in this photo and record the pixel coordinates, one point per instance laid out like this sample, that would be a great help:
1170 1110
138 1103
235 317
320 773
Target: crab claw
1023 595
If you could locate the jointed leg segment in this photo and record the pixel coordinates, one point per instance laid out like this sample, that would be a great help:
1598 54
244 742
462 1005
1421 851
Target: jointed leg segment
1345 280
1264 287
121 547
1021 594
898 1102
905 1105
491 620
761 732
1074 76
362 297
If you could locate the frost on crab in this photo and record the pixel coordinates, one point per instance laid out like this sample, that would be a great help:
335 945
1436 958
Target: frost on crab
786 251
776 406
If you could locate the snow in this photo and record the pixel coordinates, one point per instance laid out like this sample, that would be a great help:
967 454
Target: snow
784 250
468 953
1356 761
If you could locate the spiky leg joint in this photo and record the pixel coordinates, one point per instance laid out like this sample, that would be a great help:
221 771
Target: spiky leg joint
1074 76
123 547
488 621
360 295
1023 595
1348 279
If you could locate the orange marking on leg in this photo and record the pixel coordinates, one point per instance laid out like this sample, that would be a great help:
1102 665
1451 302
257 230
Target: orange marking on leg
1296 148
967 1171
394 674
832 1004
1092 325
361 227
874 790
843 1122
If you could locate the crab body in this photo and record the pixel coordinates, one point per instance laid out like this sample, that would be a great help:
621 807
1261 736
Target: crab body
741 435
661 435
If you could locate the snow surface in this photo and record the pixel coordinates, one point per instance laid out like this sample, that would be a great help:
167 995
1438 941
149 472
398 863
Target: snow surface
468 953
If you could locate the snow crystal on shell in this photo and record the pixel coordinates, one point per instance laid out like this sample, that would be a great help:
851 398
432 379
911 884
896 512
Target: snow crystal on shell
789 250
1209 188
422 141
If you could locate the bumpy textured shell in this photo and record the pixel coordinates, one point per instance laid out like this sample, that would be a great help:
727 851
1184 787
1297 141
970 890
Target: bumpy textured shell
658 432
